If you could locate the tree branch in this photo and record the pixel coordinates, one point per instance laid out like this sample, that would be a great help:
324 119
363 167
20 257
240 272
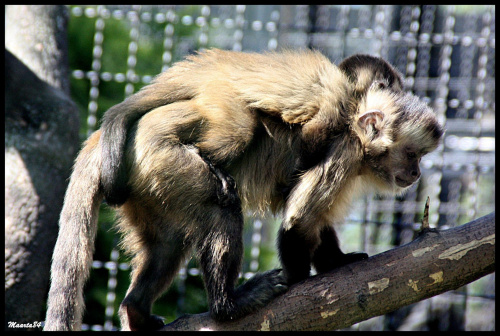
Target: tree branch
435 262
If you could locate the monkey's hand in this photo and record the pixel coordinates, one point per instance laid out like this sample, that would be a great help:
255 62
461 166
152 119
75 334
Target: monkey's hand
328 261
226 193
226 190
349 258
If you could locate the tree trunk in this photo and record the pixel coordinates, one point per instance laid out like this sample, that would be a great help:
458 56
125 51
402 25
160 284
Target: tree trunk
432 264
37 36
41 140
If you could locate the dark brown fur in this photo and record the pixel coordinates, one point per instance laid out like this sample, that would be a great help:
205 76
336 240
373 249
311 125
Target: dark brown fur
222 132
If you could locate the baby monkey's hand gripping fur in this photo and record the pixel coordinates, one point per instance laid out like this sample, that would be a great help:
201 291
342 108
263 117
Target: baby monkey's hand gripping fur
222 132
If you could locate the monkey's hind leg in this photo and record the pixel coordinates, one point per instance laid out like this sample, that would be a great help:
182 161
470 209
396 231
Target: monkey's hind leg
328 255
220 251
159 252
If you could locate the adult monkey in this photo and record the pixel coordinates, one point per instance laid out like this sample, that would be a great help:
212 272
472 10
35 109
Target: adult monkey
224 131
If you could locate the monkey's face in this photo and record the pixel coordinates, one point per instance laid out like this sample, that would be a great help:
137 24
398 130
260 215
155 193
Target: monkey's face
405 160
396 129
395 170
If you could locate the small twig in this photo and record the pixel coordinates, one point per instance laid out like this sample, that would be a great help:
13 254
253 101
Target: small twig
426 228
425 219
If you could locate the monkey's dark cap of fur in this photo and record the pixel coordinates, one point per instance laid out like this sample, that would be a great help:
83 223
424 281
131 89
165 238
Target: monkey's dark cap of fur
416 120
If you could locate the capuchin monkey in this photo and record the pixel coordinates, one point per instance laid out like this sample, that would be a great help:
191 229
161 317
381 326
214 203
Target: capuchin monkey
224 132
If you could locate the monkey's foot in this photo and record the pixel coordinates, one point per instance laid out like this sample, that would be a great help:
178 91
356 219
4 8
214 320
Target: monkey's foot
272 283
252 295
138 321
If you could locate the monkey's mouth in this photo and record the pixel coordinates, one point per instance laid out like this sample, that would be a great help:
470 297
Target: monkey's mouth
403 183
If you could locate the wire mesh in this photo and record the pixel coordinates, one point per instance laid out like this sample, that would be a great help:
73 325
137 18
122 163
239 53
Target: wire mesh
447 56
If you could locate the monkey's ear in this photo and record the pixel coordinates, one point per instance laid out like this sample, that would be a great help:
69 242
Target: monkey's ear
371 121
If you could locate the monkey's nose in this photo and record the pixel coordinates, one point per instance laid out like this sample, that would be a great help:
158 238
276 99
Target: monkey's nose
415 174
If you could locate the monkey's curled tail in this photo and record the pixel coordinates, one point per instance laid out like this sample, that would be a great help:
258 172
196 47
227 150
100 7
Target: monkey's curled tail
115 127
73 252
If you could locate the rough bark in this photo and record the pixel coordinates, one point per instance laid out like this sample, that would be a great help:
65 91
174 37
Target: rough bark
41 140
36 34
432 264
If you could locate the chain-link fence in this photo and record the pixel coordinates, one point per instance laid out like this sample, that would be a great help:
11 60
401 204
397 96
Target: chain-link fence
447 55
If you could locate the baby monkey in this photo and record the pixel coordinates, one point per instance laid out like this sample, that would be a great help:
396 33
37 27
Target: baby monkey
224 132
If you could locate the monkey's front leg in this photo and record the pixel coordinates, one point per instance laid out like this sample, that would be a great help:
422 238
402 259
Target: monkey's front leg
298 250
306 236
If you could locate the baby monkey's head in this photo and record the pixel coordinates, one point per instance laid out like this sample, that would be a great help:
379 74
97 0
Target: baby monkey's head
395 128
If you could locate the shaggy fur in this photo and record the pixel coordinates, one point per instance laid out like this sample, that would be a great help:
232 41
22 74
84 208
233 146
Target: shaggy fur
224 132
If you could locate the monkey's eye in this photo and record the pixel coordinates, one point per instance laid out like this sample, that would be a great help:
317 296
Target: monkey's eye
379 85
411 155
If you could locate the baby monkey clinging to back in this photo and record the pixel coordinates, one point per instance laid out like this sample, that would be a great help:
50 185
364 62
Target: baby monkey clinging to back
221 132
